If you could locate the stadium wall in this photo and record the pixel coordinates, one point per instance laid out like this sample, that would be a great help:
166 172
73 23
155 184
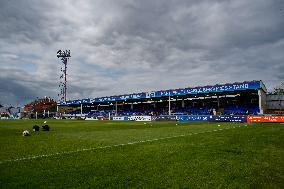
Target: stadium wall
275 104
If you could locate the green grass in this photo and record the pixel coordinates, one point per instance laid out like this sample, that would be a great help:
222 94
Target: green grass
247 157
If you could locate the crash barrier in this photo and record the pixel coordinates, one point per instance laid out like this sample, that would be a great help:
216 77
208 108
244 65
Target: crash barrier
265 119
211 118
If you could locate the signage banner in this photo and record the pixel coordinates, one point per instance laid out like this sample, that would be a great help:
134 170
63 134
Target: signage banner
263 119
140 118
228 118
192 118
124 118
211 118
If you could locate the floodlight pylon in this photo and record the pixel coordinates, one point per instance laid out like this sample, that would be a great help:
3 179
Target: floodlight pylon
64 56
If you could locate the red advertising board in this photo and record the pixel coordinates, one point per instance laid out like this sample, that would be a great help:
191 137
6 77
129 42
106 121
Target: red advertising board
261 119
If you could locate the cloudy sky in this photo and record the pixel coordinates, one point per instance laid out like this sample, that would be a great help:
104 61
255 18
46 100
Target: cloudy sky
127 46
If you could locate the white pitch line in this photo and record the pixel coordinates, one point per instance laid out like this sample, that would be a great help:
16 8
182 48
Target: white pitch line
104 147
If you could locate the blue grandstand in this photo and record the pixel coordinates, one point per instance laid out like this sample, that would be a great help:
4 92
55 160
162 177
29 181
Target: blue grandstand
240 98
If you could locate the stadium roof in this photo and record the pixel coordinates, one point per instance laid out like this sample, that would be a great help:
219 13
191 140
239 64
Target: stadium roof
218 88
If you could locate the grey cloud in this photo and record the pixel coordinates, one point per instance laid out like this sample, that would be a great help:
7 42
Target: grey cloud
19 87
131 46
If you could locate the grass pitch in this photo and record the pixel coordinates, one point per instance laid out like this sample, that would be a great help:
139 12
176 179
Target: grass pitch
107 154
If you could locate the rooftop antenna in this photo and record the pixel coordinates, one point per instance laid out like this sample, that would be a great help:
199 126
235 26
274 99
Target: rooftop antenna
64 56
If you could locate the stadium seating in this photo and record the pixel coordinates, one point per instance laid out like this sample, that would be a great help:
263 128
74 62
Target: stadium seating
241 109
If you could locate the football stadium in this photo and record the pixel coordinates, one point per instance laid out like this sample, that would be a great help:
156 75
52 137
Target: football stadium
157 94
219 136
